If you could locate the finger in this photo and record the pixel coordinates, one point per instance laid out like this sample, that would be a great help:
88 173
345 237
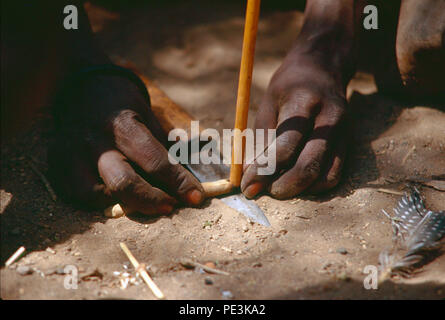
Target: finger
294 121
265 119
126 186
332 174
314 154
140 146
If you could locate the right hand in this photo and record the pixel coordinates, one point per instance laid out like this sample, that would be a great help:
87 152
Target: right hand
305 102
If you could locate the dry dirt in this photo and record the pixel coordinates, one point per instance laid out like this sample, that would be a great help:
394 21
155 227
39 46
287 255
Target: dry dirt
193 53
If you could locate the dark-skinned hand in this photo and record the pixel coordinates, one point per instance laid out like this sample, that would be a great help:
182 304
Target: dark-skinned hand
305 102
108 151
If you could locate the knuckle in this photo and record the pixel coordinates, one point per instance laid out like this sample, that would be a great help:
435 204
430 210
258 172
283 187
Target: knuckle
301 101
310 171
337 114
157 162
182 180
124 120
277 88
305 97
286 148
122 183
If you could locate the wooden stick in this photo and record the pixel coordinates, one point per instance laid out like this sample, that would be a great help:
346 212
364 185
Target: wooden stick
245 81
408 154
15 256
140 268
216 188
399 193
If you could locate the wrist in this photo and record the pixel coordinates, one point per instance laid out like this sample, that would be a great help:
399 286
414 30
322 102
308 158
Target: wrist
330 34
339 59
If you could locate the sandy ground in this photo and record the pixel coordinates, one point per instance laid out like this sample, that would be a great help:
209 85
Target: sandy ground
193 53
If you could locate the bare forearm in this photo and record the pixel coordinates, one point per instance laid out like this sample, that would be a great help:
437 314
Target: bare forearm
83 49
331 28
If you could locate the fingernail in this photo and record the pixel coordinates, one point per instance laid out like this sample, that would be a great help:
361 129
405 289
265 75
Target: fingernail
194 197
165 208
252 190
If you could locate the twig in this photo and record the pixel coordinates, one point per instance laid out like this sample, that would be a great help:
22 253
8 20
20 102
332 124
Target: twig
398 193
140 268
189 263
44 179
15 256
408 154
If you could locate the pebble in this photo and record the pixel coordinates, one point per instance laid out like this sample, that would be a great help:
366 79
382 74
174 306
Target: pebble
257 265
199 270
50 250
343 276
24 270
342 250
226 294
208 281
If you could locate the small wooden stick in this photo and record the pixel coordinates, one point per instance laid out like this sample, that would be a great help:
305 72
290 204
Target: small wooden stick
216 188
245 81
140 268
15 256
408 154
399 193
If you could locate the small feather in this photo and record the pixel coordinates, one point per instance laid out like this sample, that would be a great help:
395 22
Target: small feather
417 232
